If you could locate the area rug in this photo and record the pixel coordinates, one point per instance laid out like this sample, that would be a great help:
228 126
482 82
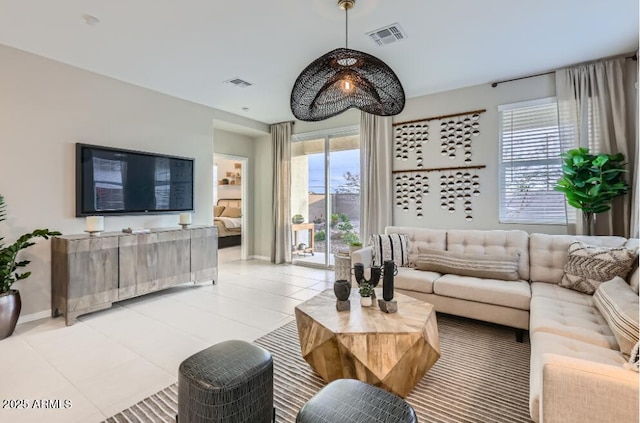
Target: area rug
481 376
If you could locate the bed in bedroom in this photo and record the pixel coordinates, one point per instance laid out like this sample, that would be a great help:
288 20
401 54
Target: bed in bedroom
227 217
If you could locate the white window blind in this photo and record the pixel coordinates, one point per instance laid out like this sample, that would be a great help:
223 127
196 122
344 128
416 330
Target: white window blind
530 164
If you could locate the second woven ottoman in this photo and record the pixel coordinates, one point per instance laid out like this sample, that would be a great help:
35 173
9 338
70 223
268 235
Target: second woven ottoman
230 382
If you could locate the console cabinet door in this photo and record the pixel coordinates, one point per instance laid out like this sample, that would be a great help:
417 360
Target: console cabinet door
84 274
153 261
204 254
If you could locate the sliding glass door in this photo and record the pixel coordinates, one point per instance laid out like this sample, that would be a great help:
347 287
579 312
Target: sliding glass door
325 200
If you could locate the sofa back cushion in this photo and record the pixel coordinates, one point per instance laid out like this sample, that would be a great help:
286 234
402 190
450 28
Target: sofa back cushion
493 242
502 267
435 239
548 254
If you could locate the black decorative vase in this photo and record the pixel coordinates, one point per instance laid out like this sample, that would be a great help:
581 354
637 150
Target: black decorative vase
390 270
376 272
10 306
342 289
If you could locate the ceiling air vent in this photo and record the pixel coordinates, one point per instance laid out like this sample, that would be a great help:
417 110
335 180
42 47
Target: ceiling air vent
241 83
388 34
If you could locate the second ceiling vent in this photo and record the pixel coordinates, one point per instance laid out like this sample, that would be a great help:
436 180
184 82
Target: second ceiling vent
388 34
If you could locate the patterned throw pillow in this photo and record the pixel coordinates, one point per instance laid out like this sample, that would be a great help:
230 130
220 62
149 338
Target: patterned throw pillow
619 306
390 247
502 267
588 266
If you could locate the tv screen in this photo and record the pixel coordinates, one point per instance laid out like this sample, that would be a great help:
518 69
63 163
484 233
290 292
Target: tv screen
115 181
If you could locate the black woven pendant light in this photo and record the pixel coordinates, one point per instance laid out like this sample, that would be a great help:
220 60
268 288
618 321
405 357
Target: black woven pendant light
345 78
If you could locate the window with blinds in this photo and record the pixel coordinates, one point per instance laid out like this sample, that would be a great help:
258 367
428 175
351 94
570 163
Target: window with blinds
530 164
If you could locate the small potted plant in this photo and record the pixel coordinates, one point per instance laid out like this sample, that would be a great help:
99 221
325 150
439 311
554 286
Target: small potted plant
366 291
10 302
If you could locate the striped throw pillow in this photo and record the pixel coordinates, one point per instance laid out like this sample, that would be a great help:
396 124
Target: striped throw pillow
503 267
619 305
390 247
588 266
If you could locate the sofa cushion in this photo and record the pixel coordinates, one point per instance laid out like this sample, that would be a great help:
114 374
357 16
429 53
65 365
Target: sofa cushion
549 290
436 239
515 294
503 267
548 253
415 280
634 359
620 307
580 322
588 266
634 279
493 242
389 247
544 344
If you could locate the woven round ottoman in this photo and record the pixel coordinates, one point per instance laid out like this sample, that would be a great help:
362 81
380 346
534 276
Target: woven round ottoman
349 400
230 382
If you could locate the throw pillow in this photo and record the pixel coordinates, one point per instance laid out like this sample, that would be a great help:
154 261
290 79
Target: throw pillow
634 359
390 247
217 211
503 267
619 305
231 212
588 266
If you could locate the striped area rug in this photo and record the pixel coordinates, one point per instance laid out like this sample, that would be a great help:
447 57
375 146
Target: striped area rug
482 376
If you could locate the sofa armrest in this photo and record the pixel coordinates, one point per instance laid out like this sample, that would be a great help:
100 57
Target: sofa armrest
364 256
575 390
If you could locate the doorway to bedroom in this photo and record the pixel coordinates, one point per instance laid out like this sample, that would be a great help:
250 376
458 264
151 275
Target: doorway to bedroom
230 208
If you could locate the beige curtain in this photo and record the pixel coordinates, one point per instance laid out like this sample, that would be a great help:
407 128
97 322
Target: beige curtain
281 247
376 197
592 107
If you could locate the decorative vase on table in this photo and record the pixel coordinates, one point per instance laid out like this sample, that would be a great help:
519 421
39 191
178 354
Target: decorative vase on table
342 289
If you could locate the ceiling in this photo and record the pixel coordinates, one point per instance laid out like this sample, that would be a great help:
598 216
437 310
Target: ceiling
187 48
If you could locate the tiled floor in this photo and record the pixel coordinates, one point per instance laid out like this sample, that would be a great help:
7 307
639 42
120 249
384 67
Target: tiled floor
111 359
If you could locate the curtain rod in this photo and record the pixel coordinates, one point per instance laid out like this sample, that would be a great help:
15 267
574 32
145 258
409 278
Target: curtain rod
495 84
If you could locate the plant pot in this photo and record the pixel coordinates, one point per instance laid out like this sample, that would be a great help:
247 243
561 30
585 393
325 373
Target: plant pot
10 306
365 301
353 248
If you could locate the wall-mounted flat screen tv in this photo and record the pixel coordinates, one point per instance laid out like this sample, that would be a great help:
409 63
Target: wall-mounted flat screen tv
115 181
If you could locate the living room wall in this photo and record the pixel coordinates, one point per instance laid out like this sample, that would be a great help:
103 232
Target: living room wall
45 108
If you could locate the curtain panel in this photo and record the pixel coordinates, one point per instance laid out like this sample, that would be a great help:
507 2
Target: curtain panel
376 197
593 113
281 139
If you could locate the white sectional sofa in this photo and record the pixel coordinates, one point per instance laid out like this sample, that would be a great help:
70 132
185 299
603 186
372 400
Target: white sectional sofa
577 371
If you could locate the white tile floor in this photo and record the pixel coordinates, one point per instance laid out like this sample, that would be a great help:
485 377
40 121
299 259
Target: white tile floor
111 359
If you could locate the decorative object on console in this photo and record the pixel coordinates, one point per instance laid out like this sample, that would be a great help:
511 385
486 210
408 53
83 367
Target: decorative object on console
94 225
297 219
345 78
591 182
185 220
588 266
342 289
10 301
135 231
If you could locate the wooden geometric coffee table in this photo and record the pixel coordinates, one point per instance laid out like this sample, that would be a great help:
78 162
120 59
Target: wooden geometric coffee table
392 351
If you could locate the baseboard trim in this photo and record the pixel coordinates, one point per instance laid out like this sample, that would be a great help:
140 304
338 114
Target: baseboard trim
26 318
265 258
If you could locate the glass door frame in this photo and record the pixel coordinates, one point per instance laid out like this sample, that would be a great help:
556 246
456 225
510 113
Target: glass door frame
327 135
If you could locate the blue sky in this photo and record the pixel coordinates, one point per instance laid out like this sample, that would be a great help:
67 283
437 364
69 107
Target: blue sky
341 162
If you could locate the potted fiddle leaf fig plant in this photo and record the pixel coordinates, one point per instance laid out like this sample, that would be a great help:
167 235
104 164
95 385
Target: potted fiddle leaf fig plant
590 182
10 302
